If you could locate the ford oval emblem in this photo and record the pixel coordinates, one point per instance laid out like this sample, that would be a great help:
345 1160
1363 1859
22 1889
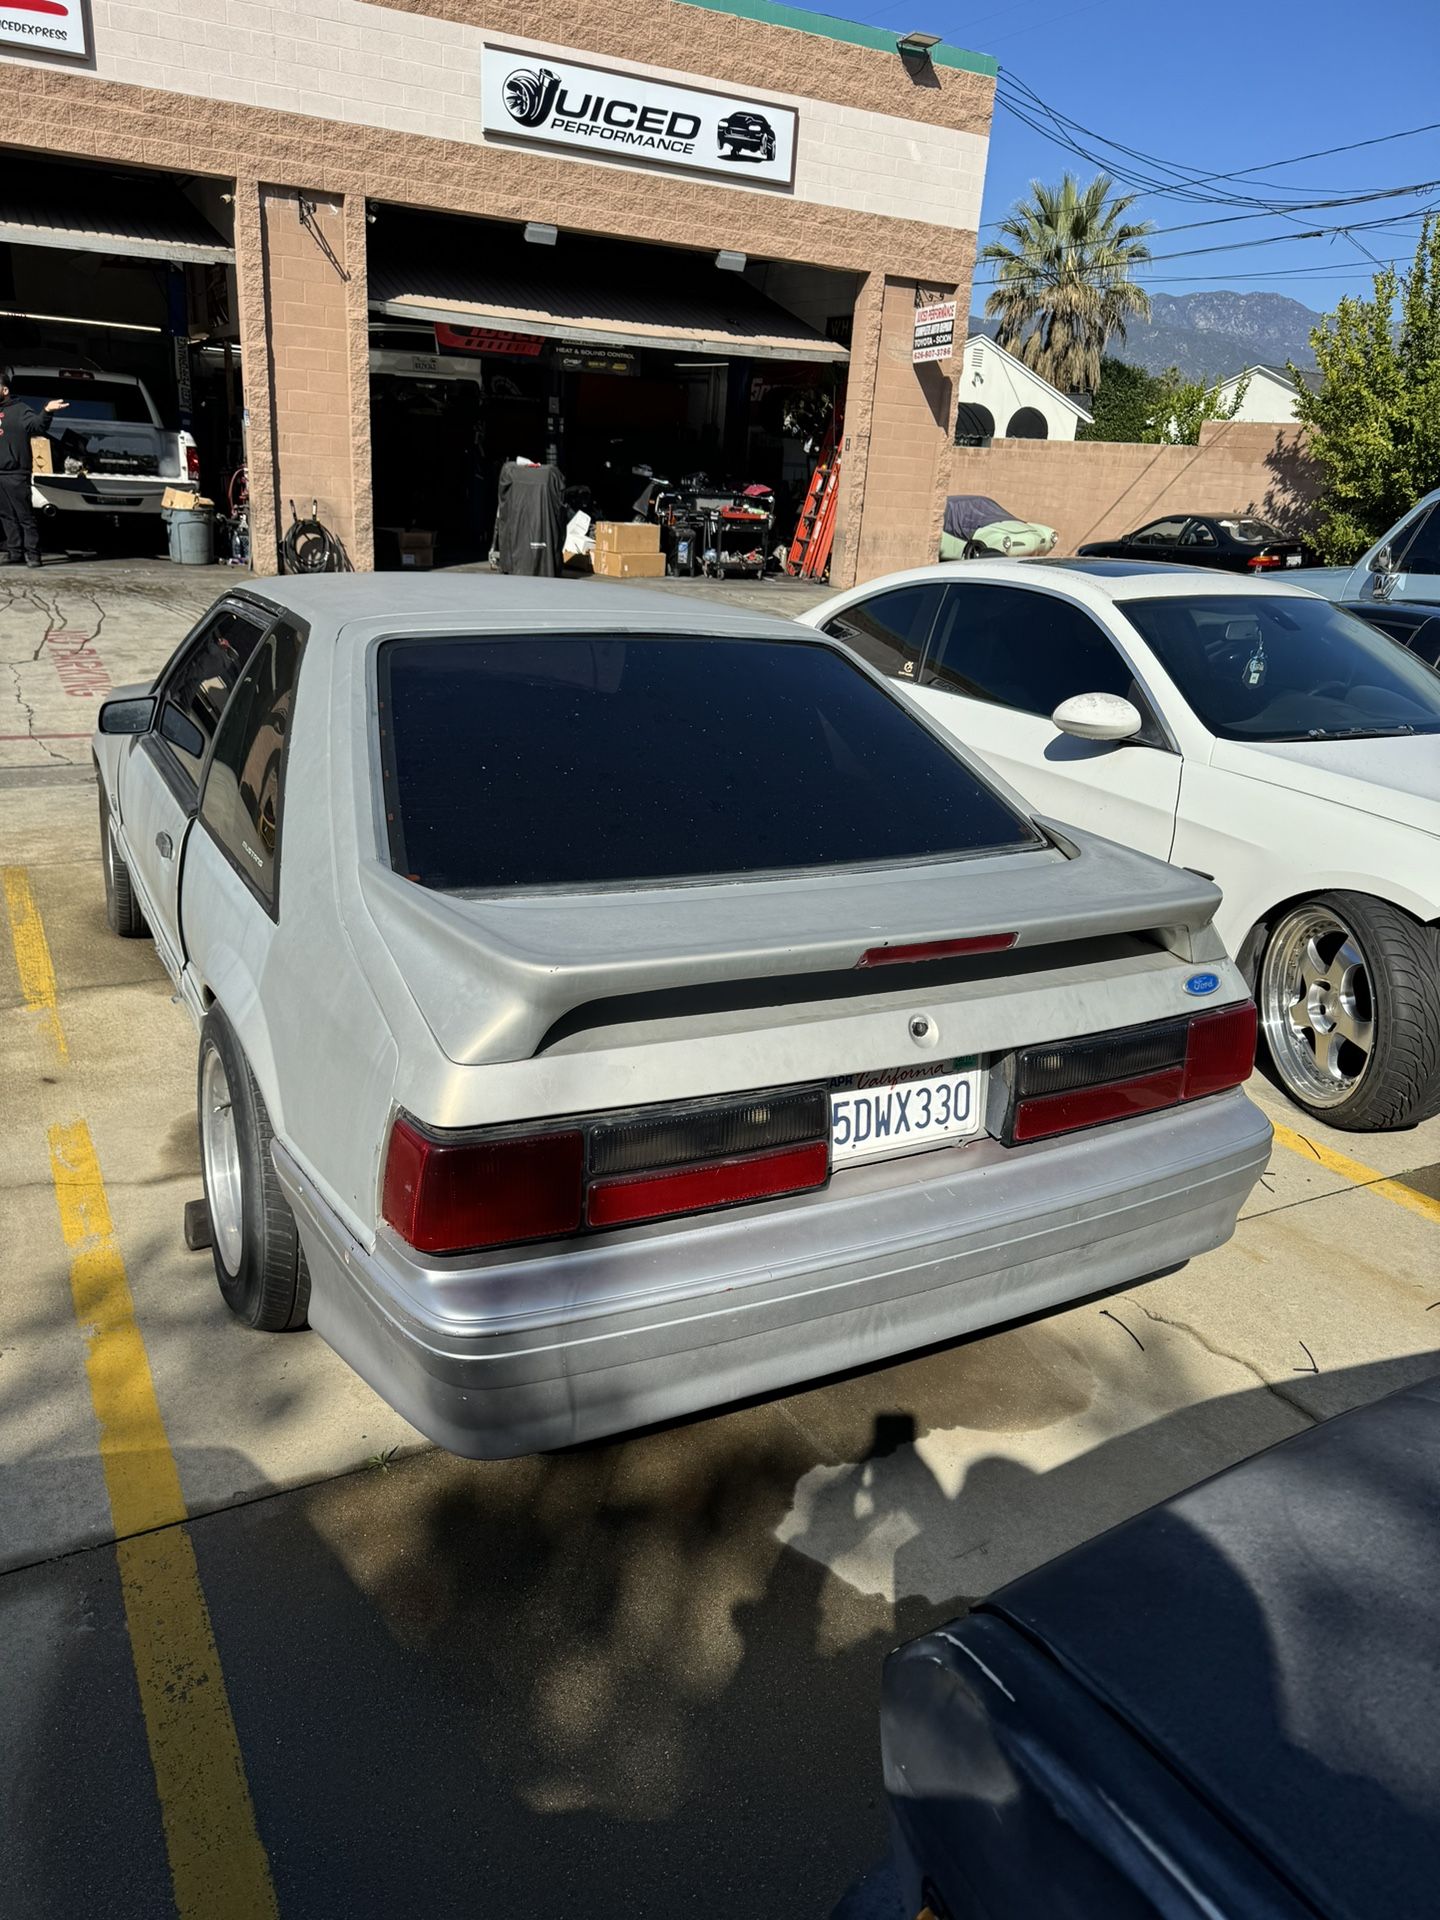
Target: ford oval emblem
1202 983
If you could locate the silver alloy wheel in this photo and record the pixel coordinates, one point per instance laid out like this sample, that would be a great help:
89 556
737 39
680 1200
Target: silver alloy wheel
1317 1006
223 1187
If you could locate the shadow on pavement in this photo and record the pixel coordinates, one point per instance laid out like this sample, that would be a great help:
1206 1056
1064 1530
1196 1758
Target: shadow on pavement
593 1683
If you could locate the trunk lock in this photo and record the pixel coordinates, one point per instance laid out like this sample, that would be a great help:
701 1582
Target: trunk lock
923 1030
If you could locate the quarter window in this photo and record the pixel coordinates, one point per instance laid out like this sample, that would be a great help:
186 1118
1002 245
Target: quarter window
889 631
1024 650
201 682
245 787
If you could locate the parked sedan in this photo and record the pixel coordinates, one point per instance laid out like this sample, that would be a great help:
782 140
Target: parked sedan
1245 728
1411 622
609 1006
1231 542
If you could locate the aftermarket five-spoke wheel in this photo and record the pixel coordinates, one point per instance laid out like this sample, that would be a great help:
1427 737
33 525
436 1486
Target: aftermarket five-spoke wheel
1350 1011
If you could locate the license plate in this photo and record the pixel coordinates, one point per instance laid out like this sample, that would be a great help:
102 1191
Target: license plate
1292 559
887 1114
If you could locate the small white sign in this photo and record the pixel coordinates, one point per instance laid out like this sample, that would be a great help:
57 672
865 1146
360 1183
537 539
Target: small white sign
934 332
564 103
45 26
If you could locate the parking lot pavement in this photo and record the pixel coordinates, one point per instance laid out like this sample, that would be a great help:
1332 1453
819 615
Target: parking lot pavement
321 1674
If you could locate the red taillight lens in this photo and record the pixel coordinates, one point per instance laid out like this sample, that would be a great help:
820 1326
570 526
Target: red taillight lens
936 950
448 1197
1219 1050
724 1183
192 464
1114 1076
1261 561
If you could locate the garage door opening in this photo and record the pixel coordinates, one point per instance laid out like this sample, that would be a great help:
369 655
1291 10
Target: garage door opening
117 296
619 363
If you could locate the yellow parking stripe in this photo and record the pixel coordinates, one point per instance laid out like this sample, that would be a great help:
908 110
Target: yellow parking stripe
32 954
1359 1174
218 1867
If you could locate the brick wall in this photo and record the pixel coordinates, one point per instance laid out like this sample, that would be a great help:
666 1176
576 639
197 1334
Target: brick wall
1096 489
310 403
899 442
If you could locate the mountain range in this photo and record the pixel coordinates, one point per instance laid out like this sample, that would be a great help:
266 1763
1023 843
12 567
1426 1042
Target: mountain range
1210 335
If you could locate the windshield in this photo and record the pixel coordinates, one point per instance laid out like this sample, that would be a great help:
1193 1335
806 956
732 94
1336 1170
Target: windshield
1287 668
87 399
578 761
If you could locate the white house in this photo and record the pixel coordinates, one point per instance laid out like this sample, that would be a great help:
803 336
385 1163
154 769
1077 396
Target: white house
1002 399
1270 395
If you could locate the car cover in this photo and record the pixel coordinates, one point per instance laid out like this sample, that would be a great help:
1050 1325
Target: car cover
530 519
966 513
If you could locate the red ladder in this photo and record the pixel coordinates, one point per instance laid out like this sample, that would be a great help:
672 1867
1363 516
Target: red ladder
809 554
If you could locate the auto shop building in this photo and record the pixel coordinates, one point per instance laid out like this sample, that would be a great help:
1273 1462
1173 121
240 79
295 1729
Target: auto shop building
375 249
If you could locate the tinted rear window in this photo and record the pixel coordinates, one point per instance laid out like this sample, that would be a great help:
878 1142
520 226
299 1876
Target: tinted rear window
88 399
576 761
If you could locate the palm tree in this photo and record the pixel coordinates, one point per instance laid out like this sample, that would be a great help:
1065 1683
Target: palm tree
1063 285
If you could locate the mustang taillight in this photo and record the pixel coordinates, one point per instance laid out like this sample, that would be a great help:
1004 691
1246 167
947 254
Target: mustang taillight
1114 1076
459 1192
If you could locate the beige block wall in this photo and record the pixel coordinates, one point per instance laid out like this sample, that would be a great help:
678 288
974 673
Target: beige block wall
899 433
1096 489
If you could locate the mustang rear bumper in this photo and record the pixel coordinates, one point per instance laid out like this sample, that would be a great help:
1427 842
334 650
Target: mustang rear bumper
536 1348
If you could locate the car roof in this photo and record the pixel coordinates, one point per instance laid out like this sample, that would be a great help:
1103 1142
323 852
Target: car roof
1091 581
409 599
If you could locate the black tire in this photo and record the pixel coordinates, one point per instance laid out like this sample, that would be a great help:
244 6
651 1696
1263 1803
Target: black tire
1400 1083
974 551
269 1288
122 909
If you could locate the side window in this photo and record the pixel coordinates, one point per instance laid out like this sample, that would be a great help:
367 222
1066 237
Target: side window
890 631
199 685
244 796
1419 550
1028 651
1159 533
1197 534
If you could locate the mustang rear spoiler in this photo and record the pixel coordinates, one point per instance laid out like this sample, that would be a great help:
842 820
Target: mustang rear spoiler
496 972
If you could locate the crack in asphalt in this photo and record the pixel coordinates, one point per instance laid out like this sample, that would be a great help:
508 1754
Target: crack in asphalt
1223 1353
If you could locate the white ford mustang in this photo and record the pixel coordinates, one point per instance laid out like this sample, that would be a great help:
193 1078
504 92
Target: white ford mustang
1241 728
611 1006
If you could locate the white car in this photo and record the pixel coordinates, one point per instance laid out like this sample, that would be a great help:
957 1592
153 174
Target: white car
110 451
1241 728
611 1006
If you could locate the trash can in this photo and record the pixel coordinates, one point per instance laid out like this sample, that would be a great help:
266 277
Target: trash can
192 534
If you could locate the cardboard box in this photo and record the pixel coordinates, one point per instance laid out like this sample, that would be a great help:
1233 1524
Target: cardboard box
179 497
629 566
622 536
42 459
411 547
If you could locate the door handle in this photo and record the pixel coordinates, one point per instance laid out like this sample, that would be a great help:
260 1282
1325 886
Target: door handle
166 846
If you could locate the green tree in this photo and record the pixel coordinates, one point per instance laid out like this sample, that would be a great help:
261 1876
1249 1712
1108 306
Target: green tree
1125 403
1375 418
1063 278
1183 406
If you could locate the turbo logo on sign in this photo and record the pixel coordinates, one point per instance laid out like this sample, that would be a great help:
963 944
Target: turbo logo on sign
48 26
566 103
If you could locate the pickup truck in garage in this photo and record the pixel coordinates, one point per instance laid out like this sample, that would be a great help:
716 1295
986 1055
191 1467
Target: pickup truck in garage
109 452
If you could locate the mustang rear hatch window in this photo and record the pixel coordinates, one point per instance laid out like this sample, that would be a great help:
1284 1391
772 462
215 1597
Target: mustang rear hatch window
563 761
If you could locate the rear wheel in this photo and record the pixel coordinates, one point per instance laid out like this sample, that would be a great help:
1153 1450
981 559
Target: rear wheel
258 1262
1349 995
122 909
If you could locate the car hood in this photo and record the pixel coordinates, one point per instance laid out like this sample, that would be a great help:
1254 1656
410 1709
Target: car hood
1395 779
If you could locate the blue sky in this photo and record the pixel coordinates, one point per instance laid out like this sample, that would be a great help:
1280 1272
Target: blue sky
1217 89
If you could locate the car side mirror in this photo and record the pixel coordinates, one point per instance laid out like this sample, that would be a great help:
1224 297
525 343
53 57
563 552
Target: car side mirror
1383 561
1098 716
126 716
181 732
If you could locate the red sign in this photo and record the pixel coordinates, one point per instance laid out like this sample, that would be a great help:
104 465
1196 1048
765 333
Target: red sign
526 346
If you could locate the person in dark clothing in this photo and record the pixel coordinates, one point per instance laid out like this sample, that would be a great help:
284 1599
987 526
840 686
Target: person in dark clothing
20 423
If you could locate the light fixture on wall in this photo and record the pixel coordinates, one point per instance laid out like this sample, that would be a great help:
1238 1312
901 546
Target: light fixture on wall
914 49
540 233
730 262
